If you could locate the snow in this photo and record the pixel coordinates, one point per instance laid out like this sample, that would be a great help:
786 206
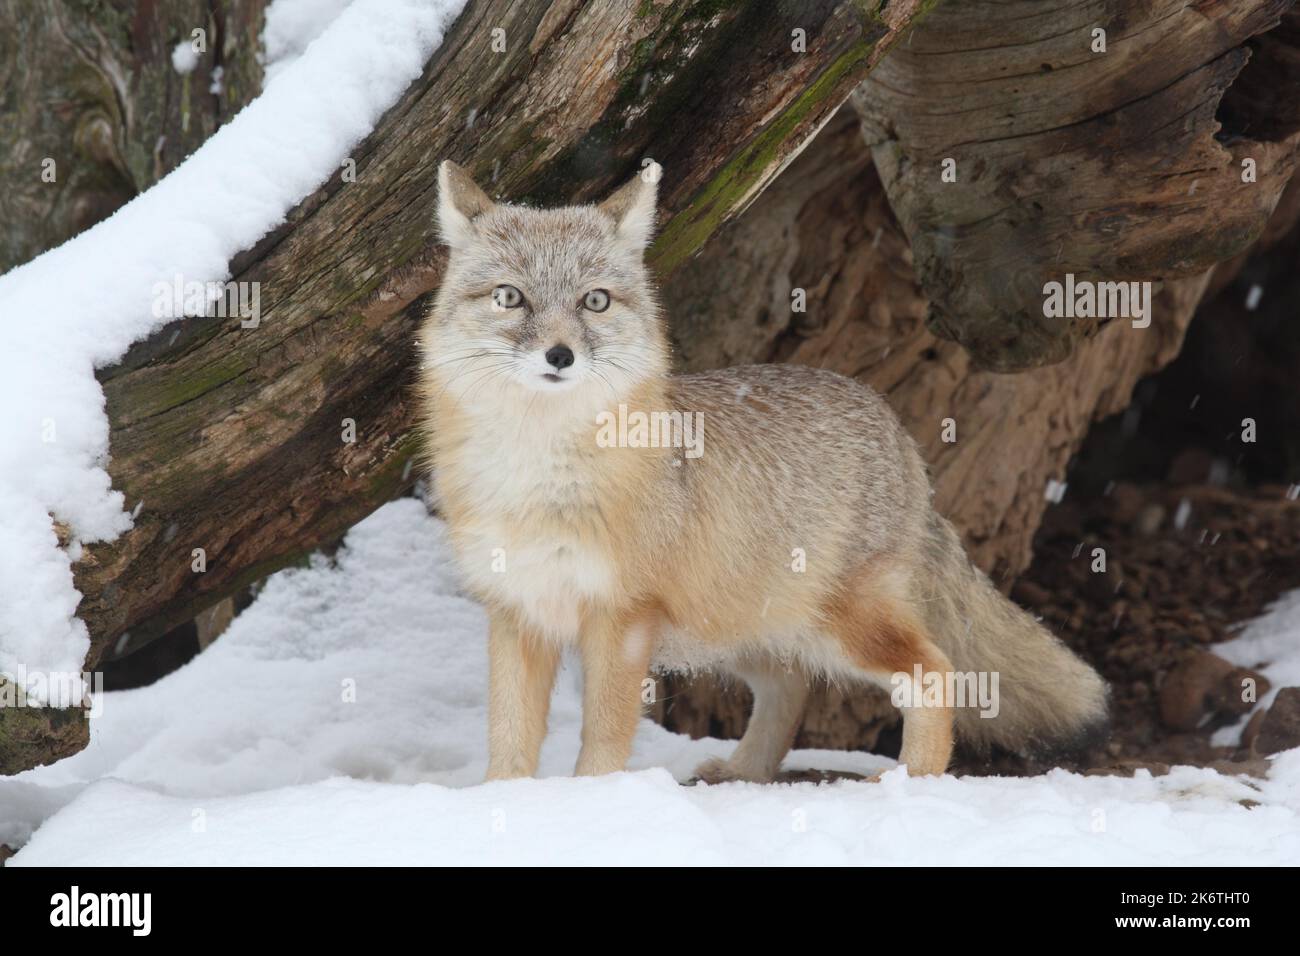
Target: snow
291 26
342 720
81 306
185 57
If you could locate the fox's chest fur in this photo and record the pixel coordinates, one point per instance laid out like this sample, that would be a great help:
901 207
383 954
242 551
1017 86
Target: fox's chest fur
532 512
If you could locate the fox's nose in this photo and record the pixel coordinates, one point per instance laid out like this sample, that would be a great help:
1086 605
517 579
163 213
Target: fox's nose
561 356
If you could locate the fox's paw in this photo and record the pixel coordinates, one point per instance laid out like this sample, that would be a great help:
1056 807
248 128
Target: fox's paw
717 770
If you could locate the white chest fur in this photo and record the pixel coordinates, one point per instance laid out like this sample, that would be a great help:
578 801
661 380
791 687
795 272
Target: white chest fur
549 581
531 536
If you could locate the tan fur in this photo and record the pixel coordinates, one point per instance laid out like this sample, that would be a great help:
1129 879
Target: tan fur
800 545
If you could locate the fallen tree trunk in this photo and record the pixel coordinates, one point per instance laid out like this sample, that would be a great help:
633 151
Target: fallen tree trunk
832 234
94 112
91 91
233 443
1107 140
828 237
235 440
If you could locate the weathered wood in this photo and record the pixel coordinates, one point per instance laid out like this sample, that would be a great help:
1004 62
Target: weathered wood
91 86
230 439
1114 165
825 227
31 735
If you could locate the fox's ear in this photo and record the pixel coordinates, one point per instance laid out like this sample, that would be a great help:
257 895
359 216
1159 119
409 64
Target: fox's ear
633 207
460 202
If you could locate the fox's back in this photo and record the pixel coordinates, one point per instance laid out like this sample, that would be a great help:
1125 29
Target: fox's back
810 446
803 473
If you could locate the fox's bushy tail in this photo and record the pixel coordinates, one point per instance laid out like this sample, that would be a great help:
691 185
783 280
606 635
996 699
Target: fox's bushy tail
1049 701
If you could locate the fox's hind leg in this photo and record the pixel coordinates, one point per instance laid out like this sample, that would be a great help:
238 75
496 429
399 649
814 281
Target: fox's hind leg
927 738
779 697
884 639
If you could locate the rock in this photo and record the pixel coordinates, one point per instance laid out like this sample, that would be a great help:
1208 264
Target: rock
1251 766
1150 519
1204 686
1126 501
1132 589
1251 733
1280 729
817 776
1190 466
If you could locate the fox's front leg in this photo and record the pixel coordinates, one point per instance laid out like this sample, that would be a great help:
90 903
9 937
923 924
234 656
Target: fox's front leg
615 659
521 672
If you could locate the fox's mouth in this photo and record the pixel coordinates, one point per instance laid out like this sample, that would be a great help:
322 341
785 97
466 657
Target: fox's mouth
553 381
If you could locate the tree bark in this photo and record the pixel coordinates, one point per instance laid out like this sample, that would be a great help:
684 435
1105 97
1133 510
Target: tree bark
93 112
1086 138
829 233
91 89
231 440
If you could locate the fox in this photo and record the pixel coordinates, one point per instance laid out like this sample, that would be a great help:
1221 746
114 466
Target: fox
792 542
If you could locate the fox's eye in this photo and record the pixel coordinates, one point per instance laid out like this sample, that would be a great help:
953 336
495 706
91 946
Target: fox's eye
597 300
507 297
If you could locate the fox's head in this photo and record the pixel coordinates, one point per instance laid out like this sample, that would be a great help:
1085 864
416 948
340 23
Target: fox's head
545 301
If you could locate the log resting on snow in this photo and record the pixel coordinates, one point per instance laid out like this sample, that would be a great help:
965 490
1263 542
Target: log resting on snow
230 439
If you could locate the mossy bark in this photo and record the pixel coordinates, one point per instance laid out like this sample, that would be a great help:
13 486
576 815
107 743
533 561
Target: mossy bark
93 111
230 439
31 736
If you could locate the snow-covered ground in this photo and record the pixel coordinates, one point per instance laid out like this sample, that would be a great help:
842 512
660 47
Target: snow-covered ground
80 306
341 720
